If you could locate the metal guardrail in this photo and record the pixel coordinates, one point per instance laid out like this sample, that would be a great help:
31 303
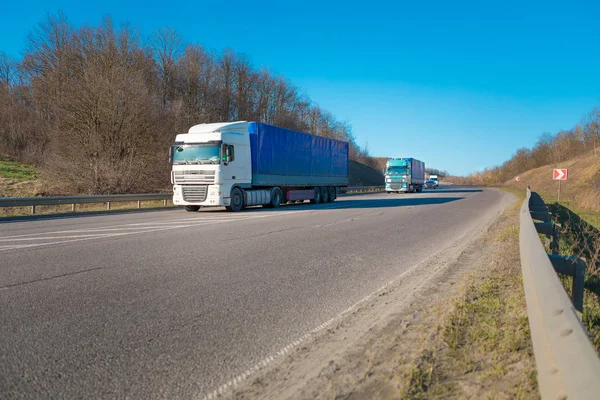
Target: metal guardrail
33 202
567 364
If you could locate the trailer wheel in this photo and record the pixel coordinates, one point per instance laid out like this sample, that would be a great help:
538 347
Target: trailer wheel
192 208
331 194
237 201
317 198
324 194
276 196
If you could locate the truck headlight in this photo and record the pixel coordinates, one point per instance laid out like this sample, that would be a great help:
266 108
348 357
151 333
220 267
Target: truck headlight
388 180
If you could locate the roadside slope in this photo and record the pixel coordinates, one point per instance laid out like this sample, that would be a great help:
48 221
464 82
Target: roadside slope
582 187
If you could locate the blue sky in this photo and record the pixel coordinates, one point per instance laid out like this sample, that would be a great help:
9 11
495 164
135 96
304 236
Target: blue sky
459 85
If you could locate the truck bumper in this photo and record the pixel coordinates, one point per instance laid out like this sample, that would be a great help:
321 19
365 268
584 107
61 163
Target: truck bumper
401 187
199 195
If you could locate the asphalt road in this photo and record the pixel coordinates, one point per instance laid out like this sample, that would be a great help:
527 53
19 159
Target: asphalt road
171 304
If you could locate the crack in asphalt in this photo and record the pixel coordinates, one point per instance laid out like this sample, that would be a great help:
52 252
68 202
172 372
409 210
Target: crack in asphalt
48 278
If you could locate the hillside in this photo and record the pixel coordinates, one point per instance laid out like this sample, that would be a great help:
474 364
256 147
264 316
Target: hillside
582 187
363 175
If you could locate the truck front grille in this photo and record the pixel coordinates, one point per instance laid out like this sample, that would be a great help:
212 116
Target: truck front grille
194 194
192 177
395 186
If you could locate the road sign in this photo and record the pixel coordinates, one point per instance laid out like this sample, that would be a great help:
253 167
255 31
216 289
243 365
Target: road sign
517 178
559 174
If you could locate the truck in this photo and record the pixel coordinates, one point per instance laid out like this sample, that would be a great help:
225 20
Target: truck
434 178
241 164
404 175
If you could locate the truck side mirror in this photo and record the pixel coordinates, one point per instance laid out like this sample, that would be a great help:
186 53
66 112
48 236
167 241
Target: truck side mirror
170 155
230 153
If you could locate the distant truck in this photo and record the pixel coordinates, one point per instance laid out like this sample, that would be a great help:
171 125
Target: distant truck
240 164
404 175
434 178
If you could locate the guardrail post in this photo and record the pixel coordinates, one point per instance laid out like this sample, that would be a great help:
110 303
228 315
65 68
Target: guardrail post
575 268
139 203
579 284
164 202
555 238
108 205
33 209
73 207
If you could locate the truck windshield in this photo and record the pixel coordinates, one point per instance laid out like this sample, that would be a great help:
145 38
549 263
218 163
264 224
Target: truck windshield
396 171
196 154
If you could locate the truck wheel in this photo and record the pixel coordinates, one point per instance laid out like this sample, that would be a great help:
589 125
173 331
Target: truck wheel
192 208
324 195
237 200
276 196
331 194
317 198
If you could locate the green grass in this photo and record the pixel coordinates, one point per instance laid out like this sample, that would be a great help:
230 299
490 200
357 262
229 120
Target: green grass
14 170
591 217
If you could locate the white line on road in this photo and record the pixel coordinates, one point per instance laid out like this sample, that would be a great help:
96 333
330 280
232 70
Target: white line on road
78 235
11 247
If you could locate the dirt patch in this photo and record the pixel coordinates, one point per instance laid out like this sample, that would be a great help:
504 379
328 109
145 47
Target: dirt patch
394 344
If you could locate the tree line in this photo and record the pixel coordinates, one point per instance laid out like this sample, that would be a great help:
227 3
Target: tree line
565 145
96 107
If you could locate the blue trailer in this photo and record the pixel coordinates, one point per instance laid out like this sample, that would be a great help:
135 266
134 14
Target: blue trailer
240 164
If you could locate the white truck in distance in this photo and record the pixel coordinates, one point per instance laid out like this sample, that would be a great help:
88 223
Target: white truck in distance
239 164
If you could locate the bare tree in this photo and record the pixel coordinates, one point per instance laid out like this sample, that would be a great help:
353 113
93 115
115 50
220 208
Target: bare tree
168 49
592 129
98 108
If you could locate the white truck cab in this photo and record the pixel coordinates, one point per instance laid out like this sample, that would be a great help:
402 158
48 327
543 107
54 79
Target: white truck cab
208 162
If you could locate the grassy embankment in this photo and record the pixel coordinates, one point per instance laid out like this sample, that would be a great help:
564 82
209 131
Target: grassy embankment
22 180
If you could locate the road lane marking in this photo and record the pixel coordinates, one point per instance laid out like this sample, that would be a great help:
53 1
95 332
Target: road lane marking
85 234
11 247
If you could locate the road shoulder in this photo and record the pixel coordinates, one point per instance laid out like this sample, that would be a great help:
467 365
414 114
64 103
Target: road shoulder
388 345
